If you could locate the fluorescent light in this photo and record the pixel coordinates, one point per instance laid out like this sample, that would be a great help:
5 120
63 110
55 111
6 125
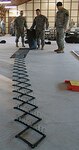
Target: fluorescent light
10 6
5 1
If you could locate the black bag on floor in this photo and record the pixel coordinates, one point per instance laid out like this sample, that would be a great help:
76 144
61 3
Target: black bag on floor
47 42
31 37
72 37
3 42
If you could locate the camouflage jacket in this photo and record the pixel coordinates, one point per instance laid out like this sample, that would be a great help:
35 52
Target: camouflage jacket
20 22
40 22
62 17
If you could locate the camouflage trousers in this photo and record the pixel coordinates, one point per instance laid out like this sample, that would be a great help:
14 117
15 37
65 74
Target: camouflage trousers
60 38
19 33
40 36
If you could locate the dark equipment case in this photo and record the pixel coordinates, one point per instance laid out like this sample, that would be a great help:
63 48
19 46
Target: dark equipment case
31 38
72 37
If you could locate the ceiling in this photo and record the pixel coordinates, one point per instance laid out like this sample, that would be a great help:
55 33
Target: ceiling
14 2
18 2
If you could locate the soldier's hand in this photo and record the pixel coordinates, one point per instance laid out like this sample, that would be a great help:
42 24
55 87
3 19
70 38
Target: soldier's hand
65 29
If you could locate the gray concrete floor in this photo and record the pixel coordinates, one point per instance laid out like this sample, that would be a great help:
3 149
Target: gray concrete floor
58 107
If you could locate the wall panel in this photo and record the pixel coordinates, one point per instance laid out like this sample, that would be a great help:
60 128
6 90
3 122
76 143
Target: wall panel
48 8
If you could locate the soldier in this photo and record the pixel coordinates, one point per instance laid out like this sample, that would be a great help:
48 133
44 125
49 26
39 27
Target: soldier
12 31
19 24
61 21
71 24
3 27
40 23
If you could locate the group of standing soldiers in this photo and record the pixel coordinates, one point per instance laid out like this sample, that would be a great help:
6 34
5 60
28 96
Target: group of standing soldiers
40 23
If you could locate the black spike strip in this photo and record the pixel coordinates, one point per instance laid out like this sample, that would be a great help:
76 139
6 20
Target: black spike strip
19 80
21 88
27 91
19 64
20 75
19 68
24 102
32 145
25 113
20 72
28 96
24 86
22 82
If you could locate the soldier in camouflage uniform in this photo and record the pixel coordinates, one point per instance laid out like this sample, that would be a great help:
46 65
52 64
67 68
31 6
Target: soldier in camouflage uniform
61 21
40 23
19 24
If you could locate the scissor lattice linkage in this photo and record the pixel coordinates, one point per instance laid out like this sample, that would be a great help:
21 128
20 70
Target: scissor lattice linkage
23 95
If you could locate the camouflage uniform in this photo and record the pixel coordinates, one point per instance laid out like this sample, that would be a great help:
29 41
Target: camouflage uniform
39 23
19 25
60 24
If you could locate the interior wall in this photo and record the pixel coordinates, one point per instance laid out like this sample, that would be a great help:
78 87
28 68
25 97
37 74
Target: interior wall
7 18
48 8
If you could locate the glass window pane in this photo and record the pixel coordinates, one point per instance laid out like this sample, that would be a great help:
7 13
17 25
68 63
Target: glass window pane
74 18
51 1
52 6
6 25
67 5
51 19
67 1
73 13
51 13
36 6
44 6
24 13
44 13
29 19
51 24
36 1
29 13
6 14
35 14
44 0
29 7
74 5
21 7
6 19
6 30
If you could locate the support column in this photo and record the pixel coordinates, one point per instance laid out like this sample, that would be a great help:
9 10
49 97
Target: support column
78 15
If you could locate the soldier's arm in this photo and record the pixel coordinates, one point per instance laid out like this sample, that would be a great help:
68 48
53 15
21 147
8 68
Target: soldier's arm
66 17
15 23
47 23
34 24
55 21
25 24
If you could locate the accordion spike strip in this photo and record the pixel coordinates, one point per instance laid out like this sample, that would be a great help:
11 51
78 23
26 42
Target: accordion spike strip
26 104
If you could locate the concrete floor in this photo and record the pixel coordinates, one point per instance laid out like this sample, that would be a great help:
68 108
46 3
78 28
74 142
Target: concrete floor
58 107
